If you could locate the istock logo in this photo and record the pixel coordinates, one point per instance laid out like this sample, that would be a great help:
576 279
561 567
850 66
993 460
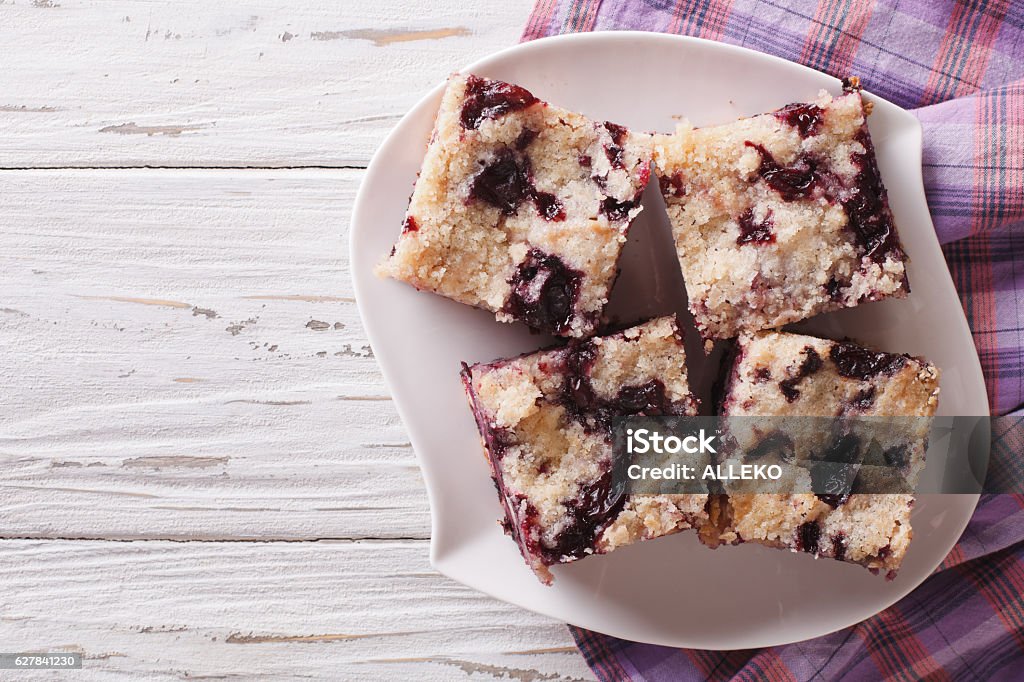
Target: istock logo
645 441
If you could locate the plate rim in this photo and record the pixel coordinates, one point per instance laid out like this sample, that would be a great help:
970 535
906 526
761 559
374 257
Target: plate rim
439 560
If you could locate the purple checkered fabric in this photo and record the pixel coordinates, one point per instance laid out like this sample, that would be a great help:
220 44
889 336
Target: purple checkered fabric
959 65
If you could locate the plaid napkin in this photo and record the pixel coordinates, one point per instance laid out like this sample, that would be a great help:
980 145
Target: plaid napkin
959 65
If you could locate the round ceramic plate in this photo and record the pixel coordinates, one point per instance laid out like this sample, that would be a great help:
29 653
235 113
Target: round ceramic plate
670 591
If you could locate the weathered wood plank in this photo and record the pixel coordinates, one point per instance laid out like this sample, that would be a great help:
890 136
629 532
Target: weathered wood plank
195 83
267 611
184 359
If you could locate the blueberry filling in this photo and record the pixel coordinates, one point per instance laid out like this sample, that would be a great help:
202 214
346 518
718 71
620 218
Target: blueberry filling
777 444
544 292
614 150
410 225
834 288
486 99
594 413
838 487
672 185
503 183
867 208
793 182
864 399
595 506
843 450
599 502
762 375
647 399
806 118
839 545
854 362
507 182
755 232
585 160
833 477
896 456
618 210
499 440
865 202
548 206
577 396
525 138
808 536
809 365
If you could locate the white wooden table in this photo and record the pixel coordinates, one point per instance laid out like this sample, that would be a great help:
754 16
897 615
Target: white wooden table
203 475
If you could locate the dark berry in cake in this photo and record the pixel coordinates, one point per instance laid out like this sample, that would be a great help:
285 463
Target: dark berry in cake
856 362
754 231
808 536
846 501
410 224
544 291
555 476
490 99
805 117
503 183
503 174
810 364
614 149
810 169
618 210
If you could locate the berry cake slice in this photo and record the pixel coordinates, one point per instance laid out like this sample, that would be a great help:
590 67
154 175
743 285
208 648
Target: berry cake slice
781 374
546 424
521 208
780 216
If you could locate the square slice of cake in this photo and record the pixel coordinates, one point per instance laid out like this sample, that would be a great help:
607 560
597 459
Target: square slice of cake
781 216
546 424
777 374
521 208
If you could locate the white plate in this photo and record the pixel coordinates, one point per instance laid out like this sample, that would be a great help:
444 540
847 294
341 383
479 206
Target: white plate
670 591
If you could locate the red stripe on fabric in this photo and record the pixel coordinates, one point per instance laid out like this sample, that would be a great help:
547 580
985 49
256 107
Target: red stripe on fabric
767 666
610 660
1001 583
984 312
677 14
590 18
700 18
539 20
954 558
969 262
717 19
827 14
983 187
598 654
700 660
896 650
840 59
606 659
575 18
1009 121
730 665
964 52
980 50
945 56
682 21
718 666
980 286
